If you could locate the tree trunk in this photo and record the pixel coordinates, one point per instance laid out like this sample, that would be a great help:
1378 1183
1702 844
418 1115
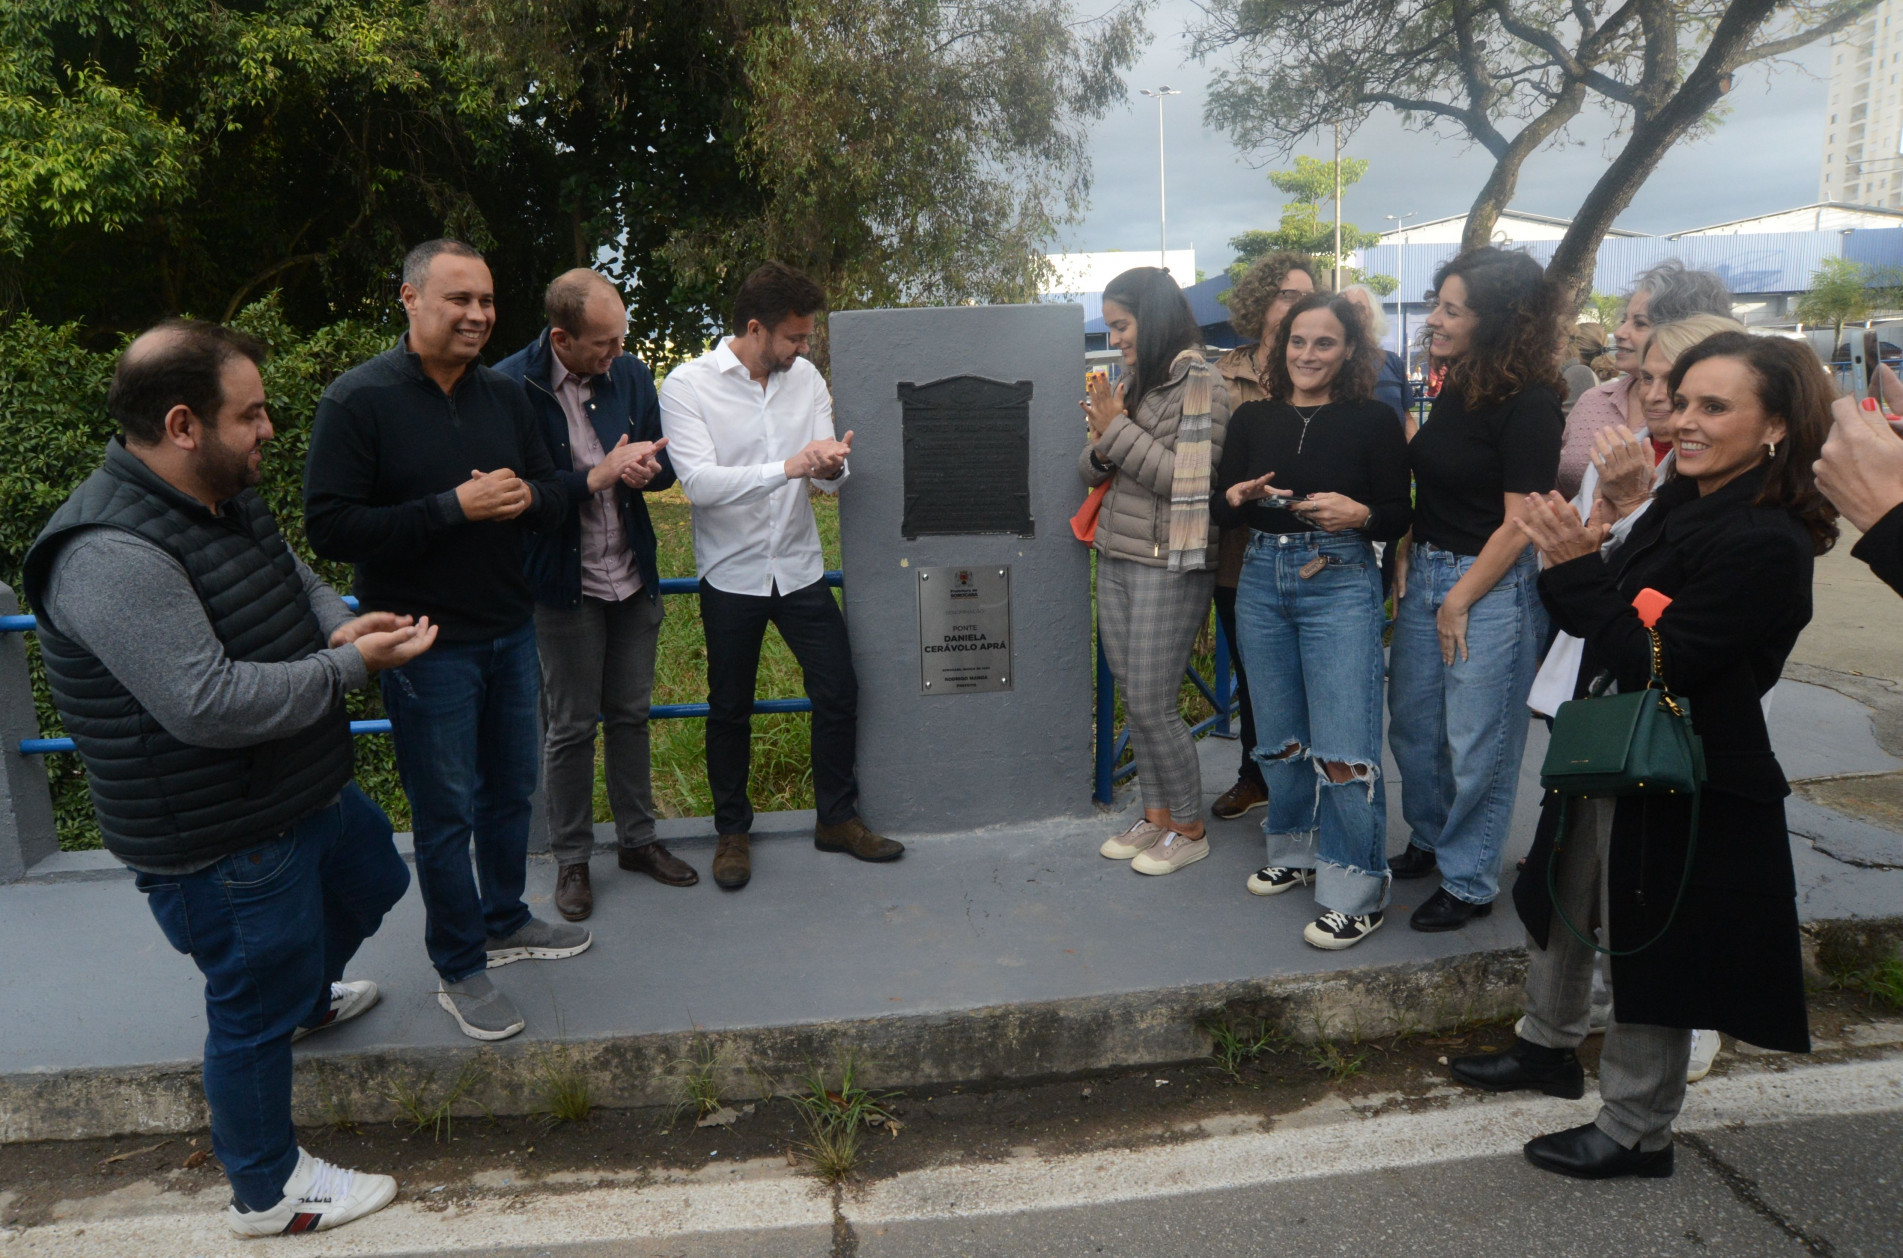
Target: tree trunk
1505 178
1577 254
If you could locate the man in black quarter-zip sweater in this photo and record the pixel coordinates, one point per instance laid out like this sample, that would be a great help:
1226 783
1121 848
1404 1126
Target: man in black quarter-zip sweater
425 467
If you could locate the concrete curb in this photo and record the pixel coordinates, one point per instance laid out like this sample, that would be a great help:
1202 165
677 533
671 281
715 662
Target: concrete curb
1010 1042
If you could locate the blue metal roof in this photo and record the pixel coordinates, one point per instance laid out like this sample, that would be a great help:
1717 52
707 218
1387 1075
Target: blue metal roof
1202 304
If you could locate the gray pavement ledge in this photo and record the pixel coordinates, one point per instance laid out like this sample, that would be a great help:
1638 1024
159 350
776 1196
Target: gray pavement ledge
1007 953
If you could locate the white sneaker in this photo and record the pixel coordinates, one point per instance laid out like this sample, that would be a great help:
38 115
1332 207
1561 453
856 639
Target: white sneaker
1275 879
1170 855
1335 931
317 1197
1705 1046
1135 841
347 1000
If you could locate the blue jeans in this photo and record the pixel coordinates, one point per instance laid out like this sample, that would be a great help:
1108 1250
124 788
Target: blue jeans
271 927
463 718
1312 647
1458 730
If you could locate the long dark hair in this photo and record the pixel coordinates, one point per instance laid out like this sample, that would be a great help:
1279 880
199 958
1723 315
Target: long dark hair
1516 345
1359 370
1165 326
1791 385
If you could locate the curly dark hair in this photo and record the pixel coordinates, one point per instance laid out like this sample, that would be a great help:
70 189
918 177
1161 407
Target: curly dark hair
1254 293
1355 381
1791 385
1517 344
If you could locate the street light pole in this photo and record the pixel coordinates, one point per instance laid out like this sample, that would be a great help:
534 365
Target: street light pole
1400 267
1162 192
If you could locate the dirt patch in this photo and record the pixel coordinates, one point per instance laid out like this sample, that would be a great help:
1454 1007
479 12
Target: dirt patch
1877 799
503 1158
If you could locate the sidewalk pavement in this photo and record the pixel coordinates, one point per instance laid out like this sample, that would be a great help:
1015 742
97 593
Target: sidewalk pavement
1014 952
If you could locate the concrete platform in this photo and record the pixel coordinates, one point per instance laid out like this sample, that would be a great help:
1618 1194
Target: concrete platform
1001 953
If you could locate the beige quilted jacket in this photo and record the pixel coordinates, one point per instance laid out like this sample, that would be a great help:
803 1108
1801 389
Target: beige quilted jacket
1134 522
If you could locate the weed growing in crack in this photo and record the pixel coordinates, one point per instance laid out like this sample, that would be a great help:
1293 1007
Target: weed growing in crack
563 1089
699 1090
1882 982
340 1114
836 1118
1339 1065
423 1111
1232 1045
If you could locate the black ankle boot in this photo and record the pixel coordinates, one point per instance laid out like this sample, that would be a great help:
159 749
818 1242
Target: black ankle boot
1528 1066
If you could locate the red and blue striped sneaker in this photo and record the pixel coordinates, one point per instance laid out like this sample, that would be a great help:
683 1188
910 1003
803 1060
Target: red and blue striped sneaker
317 1197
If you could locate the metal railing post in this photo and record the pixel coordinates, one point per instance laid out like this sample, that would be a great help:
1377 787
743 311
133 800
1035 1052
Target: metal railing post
1225 684
27 834
1105 789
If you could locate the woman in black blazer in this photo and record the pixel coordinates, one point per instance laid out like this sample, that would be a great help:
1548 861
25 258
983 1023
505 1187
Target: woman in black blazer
1731 540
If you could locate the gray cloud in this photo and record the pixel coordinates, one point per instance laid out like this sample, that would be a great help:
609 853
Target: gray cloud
1764 156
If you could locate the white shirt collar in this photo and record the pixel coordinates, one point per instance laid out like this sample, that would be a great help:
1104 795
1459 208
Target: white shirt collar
726 360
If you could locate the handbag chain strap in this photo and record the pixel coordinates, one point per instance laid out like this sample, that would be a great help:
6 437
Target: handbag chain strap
1657 681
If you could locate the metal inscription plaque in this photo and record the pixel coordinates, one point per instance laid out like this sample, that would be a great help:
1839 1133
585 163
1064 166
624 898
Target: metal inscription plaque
967 445
964 629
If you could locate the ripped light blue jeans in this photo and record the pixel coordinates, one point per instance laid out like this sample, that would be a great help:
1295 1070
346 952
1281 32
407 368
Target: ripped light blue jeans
1312 649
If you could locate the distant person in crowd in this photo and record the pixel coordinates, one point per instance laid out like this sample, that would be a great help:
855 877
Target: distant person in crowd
1861 471
597 589
1666 293
1390 386
1468 625
1160 434
1257 305
749 427
1730 540
1588 342
201 669
1317 474
427 471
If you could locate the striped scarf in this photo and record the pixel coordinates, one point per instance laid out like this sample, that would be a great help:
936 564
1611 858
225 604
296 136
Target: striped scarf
1190 485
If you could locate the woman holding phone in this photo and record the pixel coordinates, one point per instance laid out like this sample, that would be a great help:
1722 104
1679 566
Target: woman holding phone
1318 473
1702 927
1159 433
1468 623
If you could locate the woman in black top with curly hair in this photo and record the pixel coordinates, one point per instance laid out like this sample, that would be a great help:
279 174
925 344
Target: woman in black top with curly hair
1730 540
1468 624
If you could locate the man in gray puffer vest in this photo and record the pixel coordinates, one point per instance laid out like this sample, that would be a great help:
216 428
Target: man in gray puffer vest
201 668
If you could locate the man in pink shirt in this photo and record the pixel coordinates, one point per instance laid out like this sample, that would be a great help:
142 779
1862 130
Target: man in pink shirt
597 591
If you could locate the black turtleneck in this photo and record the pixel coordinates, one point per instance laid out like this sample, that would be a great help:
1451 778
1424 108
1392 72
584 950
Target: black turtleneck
1350 448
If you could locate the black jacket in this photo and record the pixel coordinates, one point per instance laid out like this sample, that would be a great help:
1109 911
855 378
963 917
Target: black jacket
623 403
161 801
1882 549
1739 576
388 450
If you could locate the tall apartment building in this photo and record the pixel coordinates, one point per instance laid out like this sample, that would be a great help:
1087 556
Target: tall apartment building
1863 137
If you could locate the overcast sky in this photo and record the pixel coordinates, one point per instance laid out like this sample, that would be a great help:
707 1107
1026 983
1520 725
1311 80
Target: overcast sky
1766 156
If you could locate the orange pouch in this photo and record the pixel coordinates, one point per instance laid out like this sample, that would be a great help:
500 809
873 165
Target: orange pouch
1084 523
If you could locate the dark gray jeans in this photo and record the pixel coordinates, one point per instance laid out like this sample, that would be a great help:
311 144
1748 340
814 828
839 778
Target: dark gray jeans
597 665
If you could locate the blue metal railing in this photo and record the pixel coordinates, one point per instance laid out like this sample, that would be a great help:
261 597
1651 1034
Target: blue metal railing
662 711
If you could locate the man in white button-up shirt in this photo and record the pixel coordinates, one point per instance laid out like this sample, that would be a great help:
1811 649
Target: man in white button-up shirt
749 426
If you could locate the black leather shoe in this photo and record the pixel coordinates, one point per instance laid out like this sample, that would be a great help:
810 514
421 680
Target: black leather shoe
1525 1066
1443 911
1416 862
1589 1153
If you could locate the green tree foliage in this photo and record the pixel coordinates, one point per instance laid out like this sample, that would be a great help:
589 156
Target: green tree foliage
1840 293
54 427
1303 228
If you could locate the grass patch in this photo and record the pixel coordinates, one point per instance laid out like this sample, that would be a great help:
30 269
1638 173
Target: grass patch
564 1092
424 1109
1235 1044
1882 982
837 1118
700 1090
1339 1064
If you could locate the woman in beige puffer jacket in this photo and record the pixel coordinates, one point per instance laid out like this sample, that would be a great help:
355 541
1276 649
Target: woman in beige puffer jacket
1154 589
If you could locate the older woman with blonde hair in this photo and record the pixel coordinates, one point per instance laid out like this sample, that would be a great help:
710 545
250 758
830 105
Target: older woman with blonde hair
1390 386
1258 304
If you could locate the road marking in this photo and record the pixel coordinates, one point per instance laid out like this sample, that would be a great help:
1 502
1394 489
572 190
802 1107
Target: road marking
1330 1139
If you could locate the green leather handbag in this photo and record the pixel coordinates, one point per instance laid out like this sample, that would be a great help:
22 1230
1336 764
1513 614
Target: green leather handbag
1615 746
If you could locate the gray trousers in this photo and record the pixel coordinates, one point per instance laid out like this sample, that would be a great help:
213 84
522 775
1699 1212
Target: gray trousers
1641 1067
1147 620
597 666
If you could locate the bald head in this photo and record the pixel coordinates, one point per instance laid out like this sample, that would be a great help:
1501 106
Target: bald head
588 321
180 362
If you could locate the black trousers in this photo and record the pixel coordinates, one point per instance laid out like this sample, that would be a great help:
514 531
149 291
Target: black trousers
1250 770
810 622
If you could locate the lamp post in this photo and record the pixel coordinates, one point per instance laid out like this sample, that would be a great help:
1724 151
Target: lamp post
1162 196
1400 286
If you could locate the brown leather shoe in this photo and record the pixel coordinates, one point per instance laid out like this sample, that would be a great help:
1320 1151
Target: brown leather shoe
852 836
574 898
1245 795
733 862
659 864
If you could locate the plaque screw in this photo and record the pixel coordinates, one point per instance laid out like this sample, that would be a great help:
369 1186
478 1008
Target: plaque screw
928 685
1001 572
925 576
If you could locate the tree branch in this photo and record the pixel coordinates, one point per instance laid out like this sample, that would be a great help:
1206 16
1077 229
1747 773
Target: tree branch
1791 43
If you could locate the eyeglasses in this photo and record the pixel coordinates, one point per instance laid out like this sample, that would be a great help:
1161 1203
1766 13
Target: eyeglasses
1290 294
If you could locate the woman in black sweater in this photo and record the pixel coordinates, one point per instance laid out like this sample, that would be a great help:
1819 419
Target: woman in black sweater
1318 473
1730 540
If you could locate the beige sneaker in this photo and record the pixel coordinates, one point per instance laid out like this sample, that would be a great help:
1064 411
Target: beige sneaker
1138 839
1705 1045
1171 854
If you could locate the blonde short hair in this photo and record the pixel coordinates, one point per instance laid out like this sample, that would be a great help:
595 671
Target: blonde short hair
1673 339
1377 317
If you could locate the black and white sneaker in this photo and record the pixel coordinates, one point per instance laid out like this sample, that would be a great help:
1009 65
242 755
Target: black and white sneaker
1335 931
347 1001
1275 879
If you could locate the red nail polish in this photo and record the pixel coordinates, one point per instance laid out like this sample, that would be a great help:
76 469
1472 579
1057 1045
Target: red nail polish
1869 404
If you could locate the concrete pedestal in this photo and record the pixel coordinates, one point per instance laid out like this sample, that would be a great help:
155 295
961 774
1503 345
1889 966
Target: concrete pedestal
938 762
